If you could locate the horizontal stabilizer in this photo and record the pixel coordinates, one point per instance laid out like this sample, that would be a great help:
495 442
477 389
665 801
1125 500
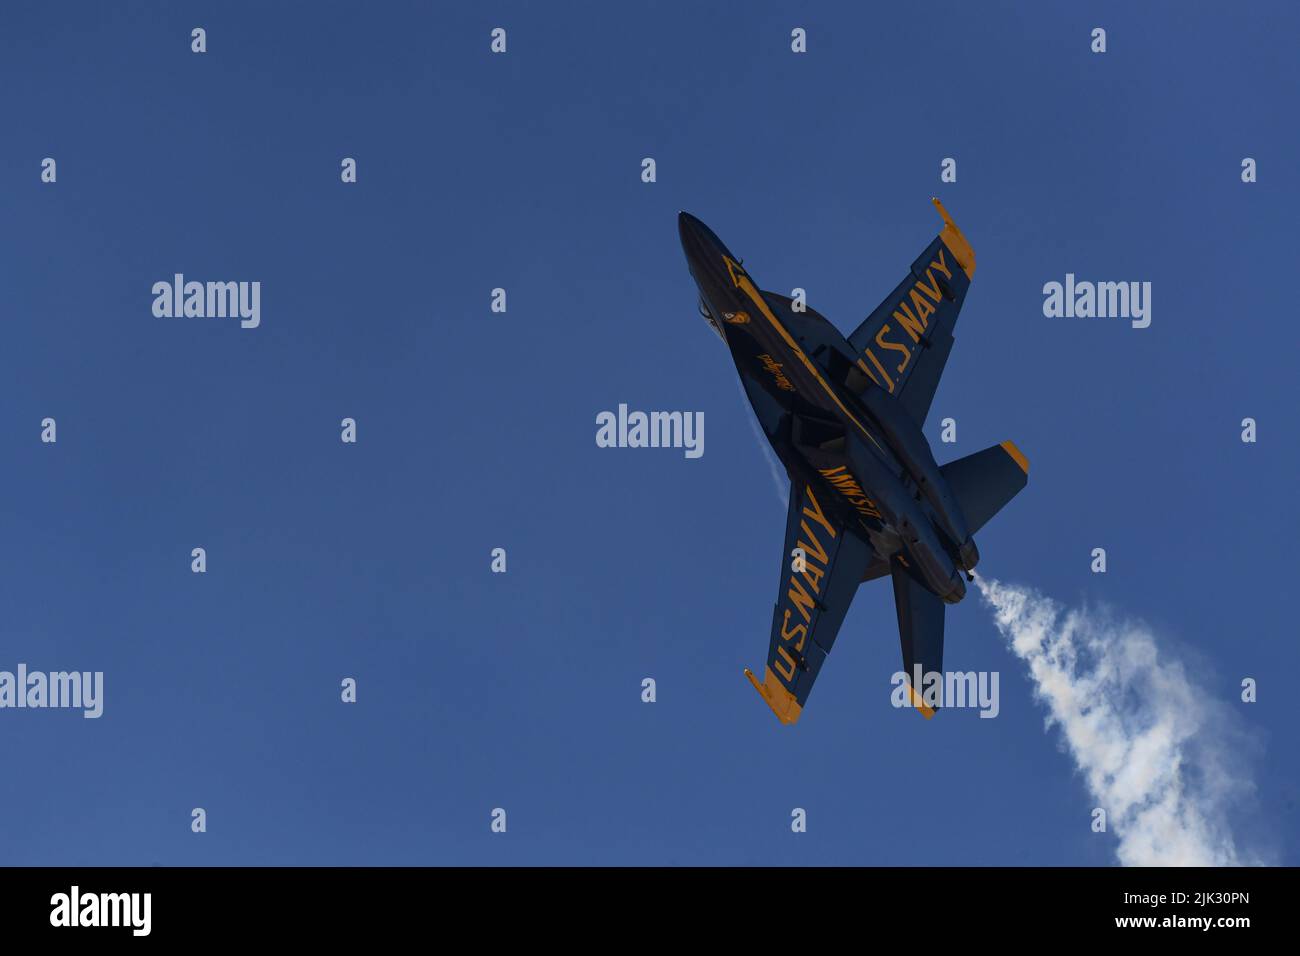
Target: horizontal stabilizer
984 482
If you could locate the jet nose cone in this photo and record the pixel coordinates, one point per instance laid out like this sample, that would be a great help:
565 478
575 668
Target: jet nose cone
698 241
688 229
706 256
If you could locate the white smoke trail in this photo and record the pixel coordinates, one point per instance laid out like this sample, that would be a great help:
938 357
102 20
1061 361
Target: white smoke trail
779 477
1153 748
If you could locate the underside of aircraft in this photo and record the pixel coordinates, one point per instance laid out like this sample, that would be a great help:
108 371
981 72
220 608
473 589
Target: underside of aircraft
845 416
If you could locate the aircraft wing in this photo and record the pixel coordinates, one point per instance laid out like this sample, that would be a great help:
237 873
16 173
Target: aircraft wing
816 587
920 630
903 345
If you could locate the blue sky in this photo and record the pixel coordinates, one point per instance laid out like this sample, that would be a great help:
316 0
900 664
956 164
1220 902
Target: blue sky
476 430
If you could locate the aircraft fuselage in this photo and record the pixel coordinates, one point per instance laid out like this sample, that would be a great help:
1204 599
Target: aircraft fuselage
829 424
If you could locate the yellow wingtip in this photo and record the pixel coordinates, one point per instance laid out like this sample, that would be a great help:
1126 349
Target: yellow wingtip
954 240
776 696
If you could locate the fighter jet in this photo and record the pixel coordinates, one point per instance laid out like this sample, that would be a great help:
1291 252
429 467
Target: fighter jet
845 416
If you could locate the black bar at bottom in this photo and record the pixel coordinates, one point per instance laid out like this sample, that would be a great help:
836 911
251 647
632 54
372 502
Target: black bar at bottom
370 904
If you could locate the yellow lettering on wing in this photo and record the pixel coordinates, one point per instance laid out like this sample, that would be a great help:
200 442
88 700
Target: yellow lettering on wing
801 599
932 290
886 344
814 550
788 634
889 382
923 308
942 265
909 322
783 654
914 318
798 598
816 566
816 512
813 574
